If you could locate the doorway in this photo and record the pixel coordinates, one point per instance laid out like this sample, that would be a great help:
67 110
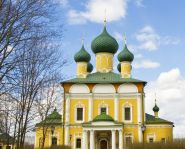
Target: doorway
103 144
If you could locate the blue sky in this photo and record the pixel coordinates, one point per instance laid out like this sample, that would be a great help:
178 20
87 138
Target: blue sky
155 32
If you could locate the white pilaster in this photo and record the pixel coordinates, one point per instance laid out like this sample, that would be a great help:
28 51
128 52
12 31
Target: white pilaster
113 139
91 139
139 109
67 109
140 135
84 139
116 107
90 108
66 135
120 139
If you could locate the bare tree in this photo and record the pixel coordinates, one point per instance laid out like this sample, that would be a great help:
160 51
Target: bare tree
20 20
45 103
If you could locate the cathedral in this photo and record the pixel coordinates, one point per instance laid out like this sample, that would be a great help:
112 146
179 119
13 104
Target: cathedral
103 109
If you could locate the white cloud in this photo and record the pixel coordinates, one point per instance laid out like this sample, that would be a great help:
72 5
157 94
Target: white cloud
170 87
118 36
62 2
150 40
145 64
95 11
139 3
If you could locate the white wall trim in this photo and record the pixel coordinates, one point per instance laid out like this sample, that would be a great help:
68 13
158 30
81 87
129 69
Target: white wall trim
104 88
79 88
127 88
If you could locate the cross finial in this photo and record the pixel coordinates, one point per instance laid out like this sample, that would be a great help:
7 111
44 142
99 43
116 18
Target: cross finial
125 39
155 99
83 39
105 15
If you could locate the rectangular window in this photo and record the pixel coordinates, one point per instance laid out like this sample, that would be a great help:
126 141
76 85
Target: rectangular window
8 147
127 114
79 114
78 143
54 141
151 140
103 110
163 140
128 140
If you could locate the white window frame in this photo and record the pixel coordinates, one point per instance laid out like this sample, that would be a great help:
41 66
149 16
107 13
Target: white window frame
128 135
83 114
103 106
123 117
75 142
150 136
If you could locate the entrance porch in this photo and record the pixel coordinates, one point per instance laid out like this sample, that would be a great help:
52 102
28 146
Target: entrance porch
106 135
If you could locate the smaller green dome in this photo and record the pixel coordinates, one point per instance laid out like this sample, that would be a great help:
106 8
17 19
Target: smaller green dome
82 55
119 67
104 43
103 117
125 55
89 67
156 108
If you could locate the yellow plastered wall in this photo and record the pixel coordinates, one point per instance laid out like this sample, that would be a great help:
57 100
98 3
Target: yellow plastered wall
159 132
77 102
133 130
5 145
75 133
133 104
126 69
39 134
104 62
100 102
81 69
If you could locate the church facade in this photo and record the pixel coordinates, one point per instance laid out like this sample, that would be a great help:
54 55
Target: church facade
103 109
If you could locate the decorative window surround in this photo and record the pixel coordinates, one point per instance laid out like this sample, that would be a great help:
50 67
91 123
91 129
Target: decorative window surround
102 105
151 136
83 116
127 105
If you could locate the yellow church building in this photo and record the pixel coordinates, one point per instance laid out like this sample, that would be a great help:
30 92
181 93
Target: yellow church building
103 109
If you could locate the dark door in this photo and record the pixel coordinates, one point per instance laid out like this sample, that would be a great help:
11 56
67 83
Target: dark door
103 144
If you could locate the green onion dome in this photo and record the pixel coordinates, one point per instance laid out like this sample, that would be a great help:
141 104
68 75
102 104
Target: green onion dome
104 43
125 55
103 117
156 108
89 67
82 55
119 67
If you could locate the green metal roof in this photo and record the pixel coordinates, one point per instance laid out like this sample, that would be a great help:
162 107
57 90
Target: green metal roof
119 67
89 67
156 108
99 77
82 55
150 119
103 117
104 43
4 137
125 55
53 119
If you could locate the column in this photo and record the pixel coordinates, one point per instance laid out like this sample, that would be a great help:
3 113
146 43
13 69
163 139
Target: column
116 107
91 139
120 139
67 109
113 139
66 135
84 139
90 108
